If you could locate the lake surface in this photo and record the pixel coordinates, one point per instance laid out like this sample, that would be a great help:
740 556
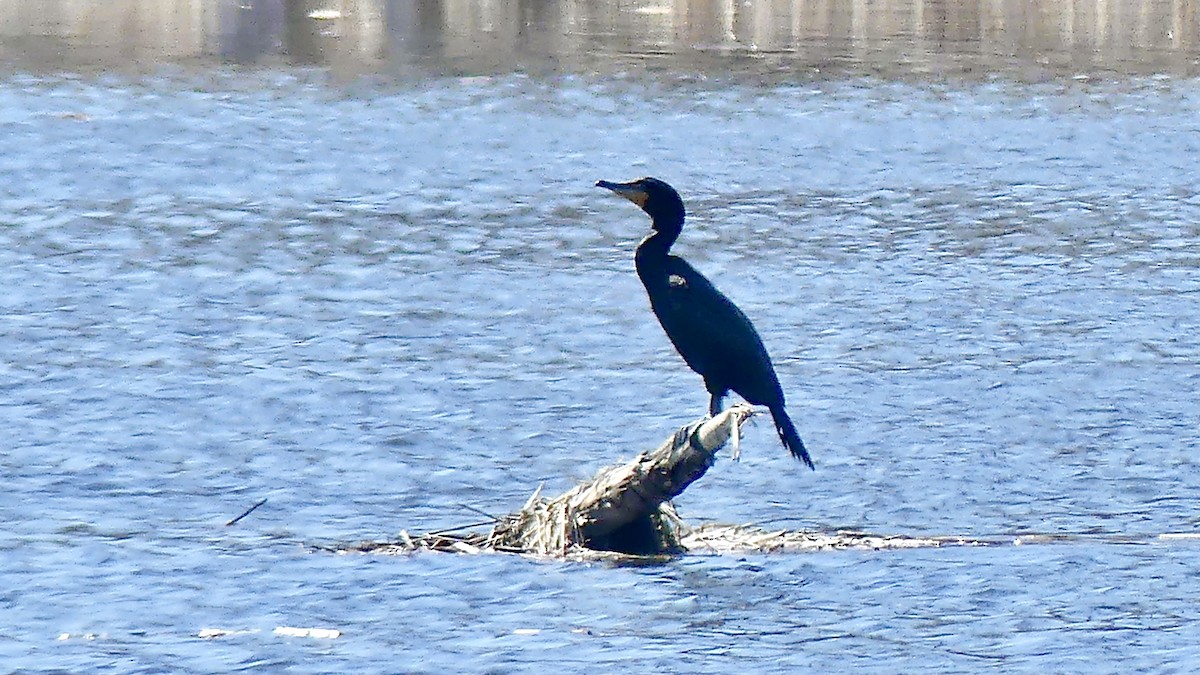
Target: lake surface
383 293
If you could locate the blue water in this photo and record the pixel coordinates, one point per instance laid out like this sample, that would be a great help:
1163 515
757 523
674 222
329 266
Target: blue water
373 304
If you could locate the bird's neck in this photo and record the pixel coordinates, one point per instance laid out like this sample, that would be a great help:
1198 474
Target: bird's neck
650 260
659 242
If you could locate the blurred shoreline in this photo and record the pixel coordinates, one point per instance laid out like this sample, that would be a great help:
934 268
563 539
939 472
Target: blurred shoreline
473 36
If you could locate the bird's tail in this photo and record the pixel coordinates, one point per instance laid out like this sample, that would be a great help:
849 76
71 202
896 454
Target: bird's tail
787 434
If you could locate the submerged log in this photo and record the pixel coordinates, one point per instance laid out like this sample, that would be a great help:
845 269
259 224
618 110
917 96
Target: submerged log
624 508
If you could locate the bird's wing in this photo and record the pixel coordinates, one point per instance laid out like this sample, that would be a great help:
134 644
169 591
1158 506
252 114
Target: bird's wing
713 335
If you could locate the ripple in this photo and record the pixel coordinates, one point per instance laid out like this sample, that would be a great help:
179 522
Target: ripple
379 310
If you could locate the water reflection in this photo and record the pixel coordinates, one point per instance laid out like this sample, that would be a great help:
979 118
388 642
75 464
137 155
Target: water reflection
815 36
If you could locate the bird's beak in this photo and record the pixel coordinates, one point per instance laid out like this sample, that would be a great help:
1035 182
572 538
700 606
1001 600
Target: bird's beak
631 191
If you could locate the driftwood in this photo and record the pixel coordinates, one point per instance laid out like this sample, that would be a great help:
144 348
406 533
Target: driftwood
625 508
625 513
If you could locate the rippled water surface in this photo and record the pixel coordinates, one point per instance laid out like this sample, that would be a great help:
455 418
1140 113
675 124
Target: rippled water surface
378 304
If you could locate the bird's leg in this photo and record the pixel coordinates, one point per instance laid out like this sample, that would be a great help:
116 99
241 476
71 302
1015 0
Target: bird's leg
715 403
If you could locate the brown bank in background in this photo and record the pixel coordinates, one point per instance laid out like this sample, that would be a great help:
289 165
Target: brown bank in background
774 38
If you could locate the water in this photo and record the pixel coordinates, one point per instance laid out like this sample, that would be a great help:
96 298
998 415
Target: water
376 299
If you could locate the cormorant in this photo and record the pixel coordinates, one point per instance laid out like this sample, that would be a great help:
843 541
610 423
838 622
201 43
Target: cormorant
712 335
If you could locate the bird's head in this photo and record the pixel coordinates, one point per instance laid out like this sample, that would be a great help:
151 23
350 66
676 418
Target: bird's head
655 197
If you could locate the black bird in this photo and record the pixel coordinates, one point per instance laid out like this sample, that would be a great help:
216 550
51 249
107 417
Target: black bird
712 335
